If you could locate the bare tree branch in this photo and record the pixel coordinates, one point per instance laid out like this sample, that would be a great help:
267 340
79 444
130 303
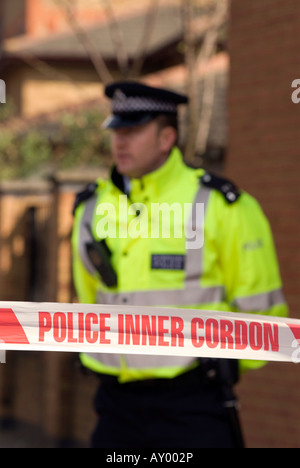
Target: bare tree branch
219 18
117 38
144 43
207 51
192 79
94 54
204 122
199 124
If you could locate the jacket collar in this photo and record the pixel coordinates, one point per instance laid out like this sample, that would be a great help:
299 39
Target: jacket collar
157 180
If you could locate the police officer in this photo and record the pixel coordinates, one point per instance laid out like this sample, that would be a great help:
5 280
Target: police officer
163 401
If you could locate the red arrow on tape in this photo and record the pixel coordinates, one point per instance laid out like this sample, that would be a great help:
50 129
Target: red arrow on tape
296 331
11 331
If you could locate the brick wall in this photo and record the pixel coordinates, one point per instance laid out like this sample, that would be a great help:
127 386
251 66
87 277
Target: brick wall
264 158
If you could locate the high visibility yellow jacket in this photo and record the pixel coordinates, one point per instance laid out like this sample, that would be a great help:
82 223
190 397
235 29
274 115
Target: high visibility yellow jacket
180 238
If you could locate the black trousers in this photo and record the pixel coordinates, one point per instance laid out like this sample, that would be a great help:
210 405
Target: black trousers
185 412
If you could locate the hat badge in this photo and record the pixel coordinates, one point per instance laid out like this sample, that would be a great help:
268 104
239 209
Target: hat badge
119 97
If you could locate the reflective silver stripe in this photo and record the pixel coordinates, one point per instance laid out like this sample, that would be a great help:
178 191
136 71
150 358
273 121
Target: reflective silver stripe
110 360
260 302
194 257
153 362
190 295
141 362
84 235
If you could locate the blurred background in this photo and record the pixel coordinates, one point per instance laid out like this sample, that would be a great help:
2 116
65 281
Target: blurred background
237 61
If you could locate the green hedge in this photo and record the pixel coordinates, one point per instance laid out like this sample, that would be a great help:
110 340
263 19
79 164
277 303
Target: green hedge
76 140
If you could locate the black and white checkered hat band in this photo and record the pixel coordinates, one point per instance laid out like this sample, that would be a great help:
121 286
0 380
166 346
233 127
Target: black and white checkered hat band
126 105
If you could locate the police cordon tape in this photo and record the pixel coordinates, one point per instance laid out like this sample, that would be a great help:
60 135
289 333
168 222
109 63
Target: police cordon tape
147 330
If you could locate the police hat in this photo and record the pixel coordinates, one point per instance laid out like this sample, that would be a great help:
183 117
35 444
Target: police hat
137 104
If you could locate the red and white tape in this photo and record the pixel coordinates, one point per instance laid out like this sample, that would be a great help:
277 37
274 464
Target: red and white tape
147 330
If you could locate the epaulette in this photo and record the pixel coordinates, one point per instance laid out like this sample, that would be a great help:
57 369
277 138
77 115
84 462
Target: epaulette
84 195
227 188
